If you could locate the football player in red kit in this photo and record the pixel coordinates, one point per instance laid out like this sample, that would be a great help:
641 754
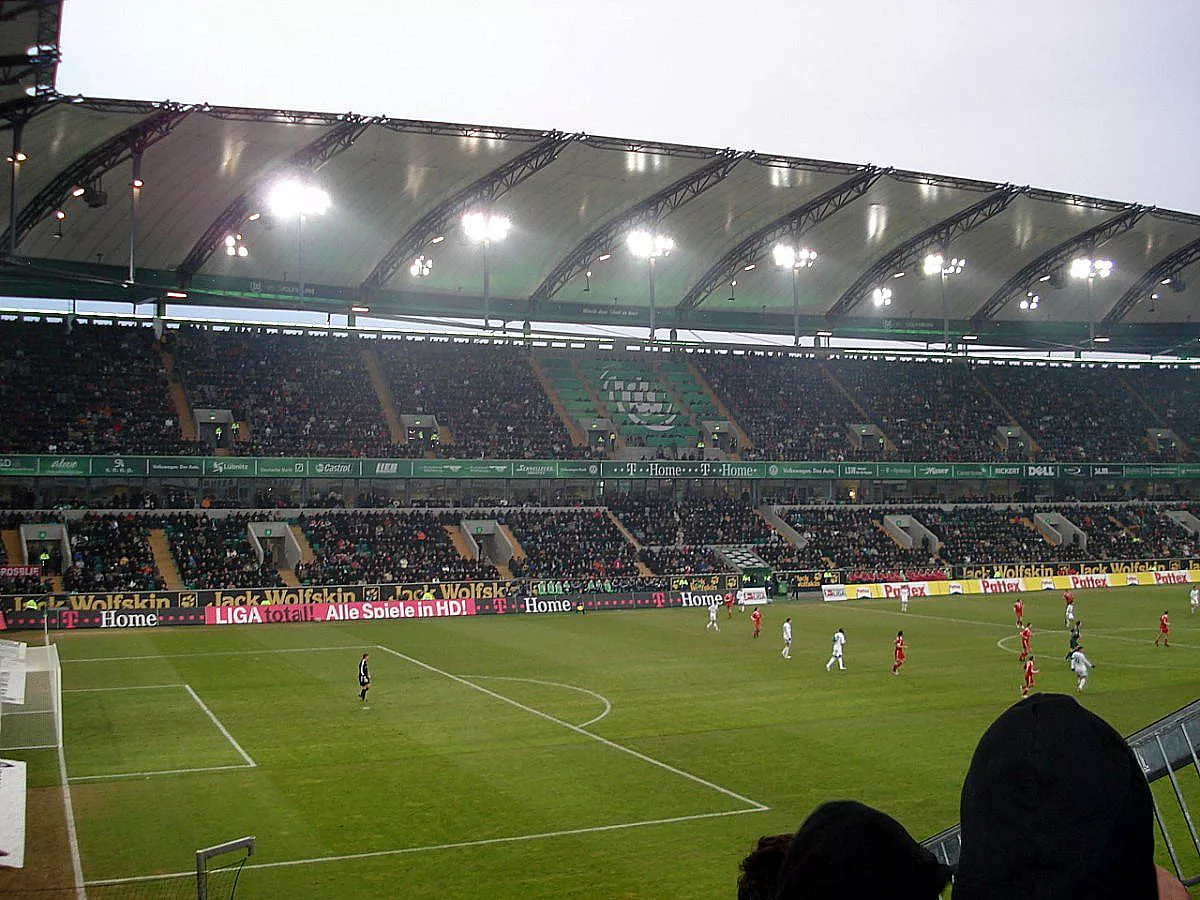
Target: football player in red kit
1030 671
1019 611
898 649
756 618
1026 635
1164 630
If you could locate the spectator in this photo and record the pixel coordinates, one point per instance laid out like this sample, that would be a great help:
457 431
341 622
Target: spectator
1055 805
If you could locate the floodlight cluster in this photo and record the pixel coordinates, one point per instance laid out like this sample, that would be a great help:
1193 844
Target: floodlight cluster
789 257
480 226
882 296
937 264
234 246
649 245
1087 267
292 197
1030 301
421 267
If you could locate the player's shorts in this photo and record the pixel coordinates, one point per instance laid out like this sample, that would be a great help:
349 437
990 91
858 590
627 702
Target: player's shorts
899 657
837 653
363 682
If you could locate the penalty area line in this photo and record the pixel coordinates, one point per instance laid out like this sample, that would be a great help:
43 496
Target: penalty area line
759 807
454 845
93 659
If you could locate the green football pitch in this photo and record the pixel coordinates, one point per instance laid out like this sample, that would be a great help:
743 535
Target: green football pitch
614 755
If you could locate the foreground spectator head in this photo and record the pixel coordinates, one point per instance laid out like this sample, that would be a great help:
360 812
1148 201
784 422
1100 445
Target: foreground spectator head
846 849
1055 805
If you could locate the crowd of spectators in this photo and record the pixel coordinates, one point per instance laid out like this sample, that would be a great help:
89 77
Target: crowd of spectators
789 407
576 543
488 396
385 547
1174 394
112 553
655 521
212 552
88 389
930 410
851 537
974 535
673 560
1124 531
296 395
1074 413
15 584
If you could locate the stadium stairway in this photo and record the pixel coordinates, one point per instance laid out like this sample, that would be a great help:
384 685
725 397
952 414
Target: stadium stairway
845 392
288 577
518 550
183 410
12 547
744 442
306 551
578 438
384 395
642 568
163 561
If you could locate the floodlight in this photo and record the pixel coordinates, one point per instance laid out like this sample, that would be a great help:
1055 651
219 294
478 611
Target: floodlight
438 239
292 198
485 227
645 245
242 251
1101 339
421 267
882 296
970 337
137 183
254 217
825 334
933 264
78 192
360 309
785 256
176 295
59 214
230 240
747 268
603 256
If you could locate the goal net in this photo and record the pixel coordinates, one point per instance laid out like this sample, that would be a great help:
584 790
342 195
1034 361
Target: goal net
30 697
218 871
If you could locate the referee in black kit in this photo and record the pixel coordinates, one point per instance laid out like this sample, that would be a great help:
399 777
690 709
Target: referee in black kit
364 678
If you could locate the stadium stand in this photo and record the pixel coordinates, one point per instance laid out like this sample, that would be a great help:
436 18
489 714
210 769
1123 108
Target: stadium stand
673 560
577 543
852 538
930 411
1074 413
983 534
488 397
378 548
90 389
788 407
112 553
212 552
1131 531
292 395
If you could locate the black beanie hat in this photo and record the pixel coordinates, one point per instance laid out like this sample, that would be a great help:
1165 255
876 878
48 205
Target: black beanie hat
1055 805
846 849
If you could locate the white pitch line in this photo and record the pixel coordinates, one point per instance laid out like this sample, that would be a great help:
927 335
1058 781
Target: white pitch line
456 845
225 731
570 687
122 775
72 835
91 659
759 807
128 687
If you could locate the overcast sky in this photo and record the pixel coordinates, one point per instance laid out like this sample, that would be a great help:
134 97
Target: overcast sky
1098 97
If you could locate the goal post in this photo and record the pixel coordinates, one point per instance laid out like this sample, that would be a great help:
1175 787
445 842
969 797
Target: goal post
30 697
219 867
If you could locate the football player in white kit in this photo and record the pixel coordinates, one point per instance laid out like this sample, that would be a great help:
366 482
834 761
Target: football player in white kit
713 609
839 641
904 592
1069 615
1081 664
1194 599
786 653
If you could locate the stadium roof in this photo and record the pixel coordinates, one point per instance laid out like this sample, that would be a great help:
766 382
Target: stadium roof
399 189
